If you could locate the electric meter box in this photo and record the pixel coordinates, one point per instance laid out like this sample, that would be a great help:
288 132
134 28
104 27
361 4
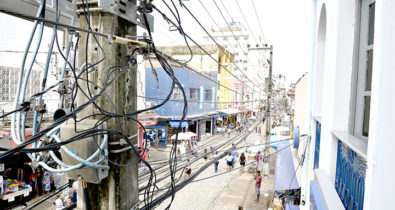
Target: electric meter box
83 148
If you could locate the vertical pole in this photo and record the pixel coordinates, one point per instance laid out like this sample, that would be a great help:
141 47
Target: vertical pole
269 89
120 189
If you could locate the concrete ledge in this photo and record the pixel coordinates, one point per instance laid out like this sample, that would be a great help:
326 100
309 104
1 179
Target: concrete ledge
357 145
326 187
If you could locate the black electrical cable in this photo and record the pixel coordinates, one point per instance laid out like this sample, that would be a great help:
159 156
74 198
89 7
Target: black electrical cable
12 112
205 51
219 46
161 198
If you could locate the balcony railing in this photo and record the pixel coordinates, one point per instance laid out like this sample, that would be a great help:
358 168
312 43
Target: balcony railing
350 177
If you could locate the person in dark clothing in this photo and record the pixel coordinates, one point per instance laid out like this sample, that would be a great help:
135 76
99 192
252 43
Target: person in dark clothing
242 162
205 154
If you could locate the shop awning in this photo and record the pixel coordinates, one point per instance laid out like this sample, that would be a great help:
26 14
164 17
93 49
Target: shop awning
175 123
284 177
229 111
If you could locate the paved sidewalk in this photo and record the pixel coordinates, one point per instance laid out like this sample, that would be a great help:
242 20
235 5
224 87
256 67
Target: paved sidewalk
241 190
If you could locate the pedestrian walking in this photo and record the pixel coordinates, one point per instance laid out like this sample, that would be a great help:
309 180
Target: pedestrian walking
258 180
223 131
258 157
229 161
242 162
188 170
143 156
205 154
234 154
228 132
219 130
216 162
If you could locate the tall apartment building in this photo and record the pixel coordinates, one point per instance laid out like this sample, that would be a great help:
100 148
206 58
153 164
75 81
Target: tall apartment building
247 63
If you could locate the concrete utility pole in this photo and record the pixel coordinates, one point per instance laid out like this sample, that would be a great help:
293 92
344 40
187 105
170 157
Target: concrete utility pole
120 189
269 90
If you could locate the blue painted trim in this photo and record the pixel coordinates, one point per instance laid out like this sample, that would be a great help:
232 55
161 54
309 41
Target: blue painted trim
317 201
296 136
317 144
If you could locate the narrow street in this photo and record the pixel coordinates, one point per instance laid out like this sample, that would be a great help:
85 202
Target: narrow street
224 190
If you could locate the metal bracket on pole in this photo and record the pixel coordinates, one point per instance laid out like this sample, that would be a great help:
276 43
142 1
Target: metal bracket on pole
121 8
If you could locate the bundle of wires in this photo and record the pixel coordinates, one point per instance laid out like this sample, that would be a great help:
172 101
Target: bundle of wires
45 142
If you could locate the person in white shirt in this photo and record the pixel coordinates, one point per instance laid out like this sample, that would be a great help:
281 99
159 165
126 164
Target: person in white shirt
58 203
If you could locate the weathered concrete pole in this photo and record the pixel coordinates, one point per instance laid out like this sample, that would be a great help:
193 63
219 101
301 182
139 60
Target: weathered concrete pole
119 190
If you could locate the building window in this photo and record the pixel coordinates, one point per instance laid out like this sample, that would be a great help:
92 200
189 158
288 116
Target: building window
177 94
246 53
245 68
236 38
364 69
246 38
244 61
194 93
208 94
225 38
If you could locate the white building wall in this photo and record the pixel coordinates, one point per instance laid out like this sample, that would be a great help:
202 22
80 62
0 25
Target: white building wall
381 168
335 106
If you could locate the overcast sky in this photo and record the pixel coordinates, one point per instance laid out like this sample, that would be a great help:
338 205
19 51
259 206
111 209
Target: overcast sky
285 24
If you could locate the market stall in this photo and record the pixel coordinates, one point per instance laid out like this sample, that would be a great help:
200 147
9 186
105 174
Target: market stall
15 186
11 189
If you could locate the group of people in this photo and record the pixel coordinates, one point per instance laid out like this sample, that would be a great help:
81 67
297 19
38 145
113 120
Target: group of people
61 203
224 129
42 182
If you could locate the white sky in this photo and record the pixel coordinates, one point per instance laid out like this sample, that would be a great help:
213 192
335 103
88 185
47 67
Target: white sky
284 24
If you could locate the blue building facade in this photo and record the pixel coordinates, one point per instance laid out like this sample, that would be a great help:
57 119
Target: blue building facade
200 92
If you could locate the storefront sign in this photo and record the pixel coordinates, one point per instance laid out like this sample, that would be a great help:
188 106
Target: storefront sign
148 123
